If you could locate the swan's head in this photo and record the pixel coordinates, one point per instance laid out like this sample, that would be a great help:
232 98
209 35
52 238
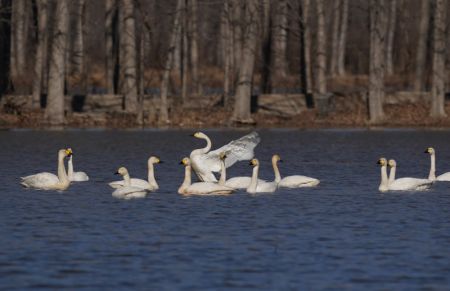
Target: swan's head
121 171
254 162
392 163
199 135
185 162
382 162
429 151
223 156
65 153
276 158
154 160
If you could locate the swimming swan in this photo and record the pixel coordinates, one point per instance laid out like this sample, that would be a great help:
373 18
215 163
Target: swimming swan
75 176
49 181
255 186
235 182
432 175
150 184
295 181
128 191
205 162
200 188
402 184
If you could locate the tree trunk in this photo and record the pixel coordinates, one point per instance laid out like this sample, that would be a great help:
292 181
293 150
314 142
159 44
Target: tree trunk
342 39
185 56
242 104
321 86
194 47
41 51
307 43
18 44
128 39
174 38
439 53
376 70
337 7
78 45
226 47
110 16
55 101
390 37
279 40
237 34
422 46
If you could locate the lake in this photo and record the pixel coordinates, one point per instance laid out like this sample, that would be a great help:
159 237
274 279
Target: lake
343 234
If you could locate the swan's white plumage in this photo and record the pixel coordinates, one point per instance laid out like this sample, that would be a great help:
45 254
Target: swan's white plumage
40 180
135 182
150 184
432 175
75 176
407 183
257 187
294 181
205 162
241 182
128 191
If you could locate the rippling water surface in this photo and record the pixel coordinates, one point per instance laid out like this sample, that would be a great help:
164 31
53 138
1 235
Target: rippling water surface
343 234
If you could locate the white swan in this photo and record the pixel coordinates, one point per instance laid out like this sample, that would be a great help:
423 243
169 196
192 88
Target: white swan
128 191
205 162
432 175
235 182
150 184
200 188
384 185
295 181
75 176
405 184
49 181
255 186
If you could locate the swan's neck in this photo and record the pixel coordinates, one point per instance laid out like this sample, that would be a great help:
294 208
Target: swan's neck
62 174
151 175
432 175
276 171
384 179
127 180
254 181
187 180
206 149
223 173
392 175
70 167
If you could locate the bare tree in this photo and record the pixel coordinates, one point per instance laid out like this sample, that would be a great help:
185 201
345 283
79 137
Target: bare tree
110 15
227 47
321 85
128 44
390 37
41 51
236 7
377 66
184 54
307 43
242 104
337 7
194 46
279 40
439 53
174 38
342 39
78 45
54 111
18 43
422 45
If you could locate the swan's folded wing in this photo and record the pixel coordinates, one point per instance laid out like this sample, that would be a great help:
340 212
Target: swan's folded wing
237 150
41 179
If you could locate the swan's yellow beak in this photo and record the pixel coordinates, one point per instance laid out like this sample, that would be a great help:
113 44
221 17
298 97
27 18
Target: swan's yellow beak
197 134
428 151
184 161
381 162
69 152
253 162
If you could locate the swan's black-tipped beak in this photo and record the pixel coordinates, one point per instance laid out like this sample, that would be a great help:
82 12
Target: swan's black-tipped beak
250 163
281 161
116 173
181 163
426 151
378 162
192 134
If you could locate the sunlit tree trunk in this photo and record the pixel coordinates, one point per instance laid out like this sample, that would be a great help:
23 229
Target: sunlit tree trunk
242 104
421 55
307 43
110 16
342 39
194 47
377 66
128 39
439 53
390 37
337 7
321 51
41 51
174 38
55 101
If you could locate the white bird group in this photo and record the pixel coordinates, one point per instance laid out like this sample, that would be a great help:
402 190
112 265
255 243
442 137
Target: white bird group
203 161
408 184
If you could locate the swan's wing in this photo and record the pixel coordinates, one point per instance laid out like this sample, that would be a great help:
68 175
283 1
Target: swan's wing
135 182
405 184
129 192
297 181
80 177
267 187
207 188
443 177
237 150
40 180
240 182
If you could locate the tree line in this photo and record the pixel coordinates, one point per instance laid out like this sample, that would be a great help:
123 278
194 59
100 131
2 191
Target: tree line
52 48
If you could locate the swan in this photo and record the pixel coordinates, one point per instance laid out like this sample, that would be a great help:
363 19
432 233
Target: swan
255 186
199 188
49 181
128 191
295 181
235 182
150 185
75 176
205 162
384 185
405 184
432 175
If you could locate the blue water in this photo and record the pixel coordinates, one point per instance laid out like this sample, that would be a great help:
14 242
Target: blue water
343 234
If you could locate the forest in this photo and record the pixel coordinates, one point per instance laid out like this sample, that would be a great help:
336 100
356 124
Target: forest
233 62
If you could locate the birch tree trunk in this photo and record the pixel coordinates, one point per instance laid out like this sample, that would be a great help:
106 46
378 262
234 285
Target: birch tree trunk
342 39
321 86
279 41
174 38
376 66
337 7
439 53
110 15
422 46
242 104
307 43
54 111
129 54
41 51
194 47
390 37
